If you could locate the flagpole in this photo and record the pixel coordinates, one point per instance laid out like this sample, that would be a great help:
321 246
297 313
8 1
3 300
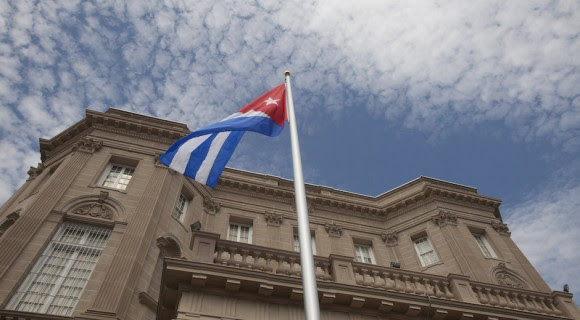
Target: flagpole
311 306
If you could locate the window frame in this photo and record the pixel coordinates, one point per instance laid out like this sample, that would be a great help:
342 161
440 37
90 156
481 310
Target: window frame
296 242
71 258
179 213
420 255
238 235
107 172
358 250
484 245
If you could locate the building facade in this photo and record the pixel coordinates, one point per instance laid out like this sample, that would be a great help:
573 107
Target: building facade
101 230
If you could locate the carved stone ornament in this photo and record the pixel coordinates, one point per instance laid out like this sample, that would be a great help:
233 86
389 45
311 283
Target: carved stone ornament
333 230
445 218
210 206
506 277
501 228
169 247
273 219
147 300
87 145
35 172
508 280
9 221
157 162
390 238
97 210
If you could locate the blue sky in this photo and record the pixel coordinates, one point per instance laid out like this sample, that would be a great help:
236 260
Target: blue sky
483 94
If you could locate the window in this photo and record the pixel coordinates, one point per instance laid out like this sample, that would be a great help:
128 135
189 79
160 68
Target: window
181 207
484 245
425 251
364 253
296 244
117 176
240 232
58 278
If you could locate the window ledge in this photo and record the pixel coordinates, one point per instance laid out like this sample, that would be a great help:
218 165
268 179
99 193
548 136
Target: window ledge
431 265
180 222
494 259
108 188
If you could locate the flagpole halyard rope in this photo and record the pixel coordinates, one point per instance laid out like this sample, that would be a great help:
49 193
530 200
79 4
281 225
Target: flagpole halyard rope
311 306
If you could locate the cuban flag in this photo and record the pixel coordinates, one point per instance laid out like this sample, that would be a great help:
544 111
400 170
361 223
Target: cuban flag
203 154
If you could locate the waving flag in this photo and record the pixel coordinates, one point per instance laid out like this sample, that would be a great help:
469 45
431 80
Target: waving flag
203 154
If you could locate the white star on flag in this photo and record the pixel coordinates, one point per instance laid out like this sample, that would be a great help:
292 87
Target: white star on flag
271 101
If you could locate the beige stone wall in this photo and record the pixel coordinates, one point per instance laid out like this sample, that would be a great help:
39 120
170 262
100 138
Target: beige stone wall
453 243
198 305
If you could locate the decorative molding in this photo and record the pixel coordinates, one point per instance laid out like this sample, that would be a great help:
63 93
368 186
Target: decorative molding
273 219
508 278
210 206
35 172
87 145
170 138
333 230
158 164
9 221
96 209
445 218
367 208
169 246
157 161
391 239
147 300
309 205
501 228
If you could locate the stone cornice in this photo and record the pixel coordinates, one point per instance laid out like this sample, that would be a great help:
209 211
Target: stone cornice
377 208
388 205
116 121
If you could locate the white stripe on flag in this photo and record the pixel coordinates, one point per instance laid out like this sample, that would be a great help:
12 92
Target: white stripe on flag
181 158
216 145
251 113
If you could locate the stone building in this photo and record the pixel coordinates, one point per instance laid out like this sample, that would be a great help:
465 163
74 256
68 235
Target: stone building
101 230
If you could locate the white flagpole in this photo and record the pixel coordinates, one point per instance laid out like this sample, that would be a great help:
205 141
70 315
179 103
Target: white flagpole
306 259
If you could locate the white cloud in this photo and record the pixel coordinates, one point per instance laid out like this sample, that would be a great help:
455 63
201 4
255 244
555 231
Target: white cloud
545 228
427 66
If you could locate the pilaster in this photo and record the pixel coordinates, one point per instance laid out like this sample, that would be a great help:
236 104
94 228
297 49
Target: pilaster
117 288
17 236
447 222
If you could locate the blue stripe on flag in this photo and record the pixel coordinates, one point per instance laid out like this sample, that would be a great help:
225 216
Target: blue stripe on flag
197 156
223 157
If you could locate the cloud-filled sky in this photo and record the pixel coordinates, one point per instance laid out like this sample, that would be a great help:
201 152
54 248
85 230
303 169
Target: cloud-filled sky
485 94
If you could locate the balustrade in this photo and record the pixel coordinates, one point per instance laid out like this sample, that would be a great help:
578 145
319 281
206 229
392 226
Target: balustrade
402 281
515 299
247 256
269 260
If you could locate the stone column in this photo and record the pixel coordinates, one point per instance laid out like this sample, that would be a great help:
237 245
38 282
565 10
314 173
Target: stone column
116 291
18 235
445 220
